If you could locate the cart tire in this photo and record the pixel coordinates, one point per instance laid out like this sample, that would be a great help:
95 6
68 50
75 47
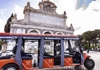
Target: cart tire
10 67
89 64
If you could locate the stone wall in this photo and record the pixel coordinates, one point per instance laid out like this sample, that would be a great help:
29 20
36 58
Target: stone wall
47 19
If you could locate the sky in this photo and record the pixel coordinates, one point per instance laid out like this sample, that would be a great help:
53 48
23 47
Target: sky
83 14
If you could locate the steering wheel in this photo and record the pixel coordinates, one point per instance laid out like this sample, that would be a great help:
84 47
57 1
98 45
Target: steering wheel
71 51
7 51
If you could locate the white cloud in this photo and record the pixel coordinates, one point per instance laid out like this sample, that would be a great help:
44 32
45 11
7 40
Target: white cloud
65 5
82 20
2 23
88 19
19 11
96 6
97 0
2 19
2 12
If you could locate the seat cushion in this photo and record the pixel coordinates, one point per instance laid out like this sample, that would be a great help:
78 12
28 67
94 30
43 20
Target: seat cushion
5 57
27 57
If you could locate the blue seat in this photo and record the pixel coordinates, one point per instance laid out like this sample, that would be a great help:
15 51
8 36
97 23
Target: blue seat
5 57
27 57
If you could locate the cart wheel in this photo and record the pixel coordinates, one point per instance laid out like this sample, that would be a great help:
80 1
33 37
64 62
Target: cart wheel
89 64
10 67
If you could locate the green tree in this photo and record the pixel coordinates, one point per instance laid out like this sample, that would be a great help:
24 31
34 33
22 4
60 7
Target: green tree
90 37
96 37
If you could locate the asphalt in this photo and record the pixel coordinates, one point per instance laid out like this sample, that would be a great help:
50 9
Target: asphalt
95 55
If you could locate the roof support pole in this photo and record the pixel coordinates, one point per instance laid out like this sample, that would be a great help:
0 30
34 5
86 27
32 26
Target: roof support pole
62 52
41 53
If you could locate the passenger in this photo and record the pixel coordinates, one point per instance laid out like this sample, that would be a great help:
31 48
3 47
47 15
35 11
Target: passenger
4 47
15 48
46 53
76 48
0 48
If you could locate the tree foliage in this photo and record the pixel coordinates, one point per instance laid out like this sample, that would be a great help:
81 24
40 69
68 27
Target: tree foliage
90 37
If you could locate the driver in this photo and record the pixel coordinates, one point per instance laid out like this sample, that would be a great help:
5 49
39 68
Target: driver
15 48
76 48
45 52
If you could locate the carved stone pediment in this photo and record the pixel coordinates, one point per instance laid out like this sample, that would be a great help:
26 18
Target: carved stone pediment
45 19
45 7
27 7
48 6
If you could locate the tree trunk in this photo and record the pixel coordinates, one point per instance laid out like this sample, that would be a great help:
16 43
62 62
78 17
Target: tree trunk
88 47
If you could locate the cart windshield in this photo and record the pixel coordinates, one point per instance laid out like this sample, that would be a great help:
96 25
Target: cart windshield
75 45
6 45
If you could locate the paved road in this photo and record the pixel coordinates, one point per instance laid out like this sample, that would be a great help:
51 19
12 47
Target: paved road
96 57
